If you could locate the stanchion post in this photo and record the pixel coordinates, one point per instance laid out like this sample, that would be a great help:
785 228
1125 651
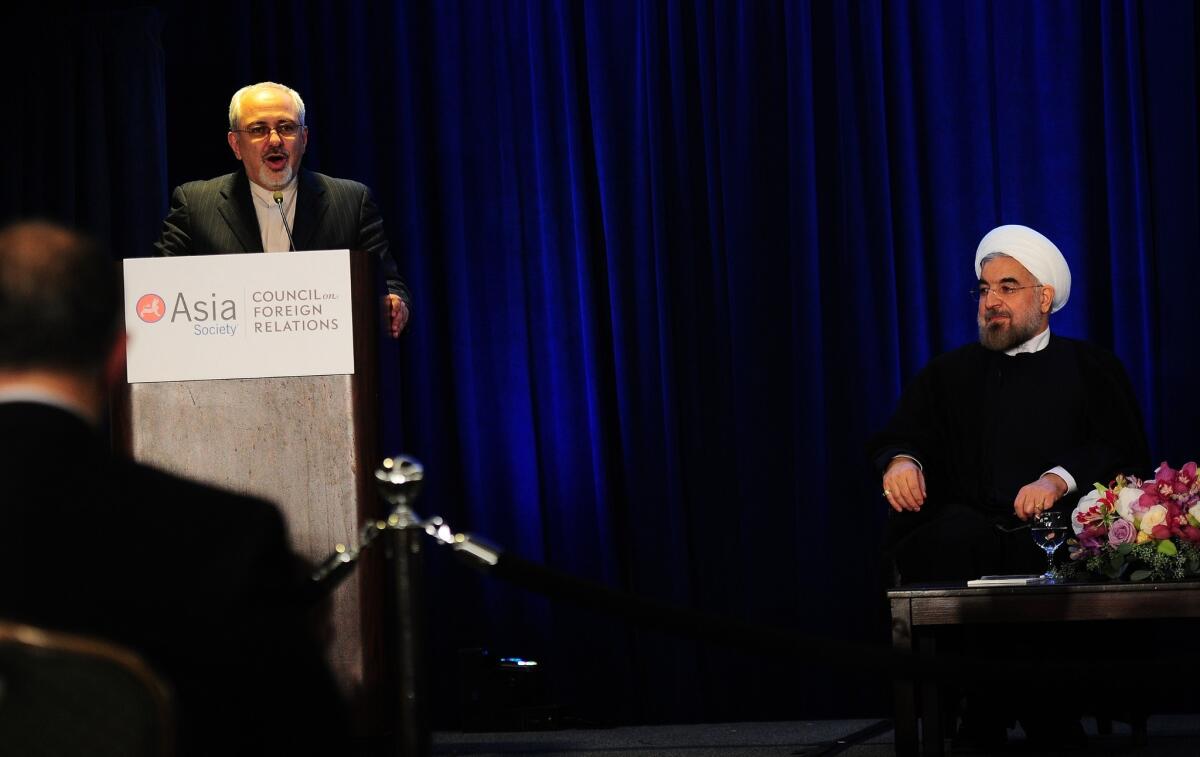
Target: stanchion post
399 480
410 717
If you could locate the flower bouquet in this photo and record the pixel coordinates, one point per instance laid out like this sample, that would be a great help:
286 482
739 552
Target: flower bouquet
1148 529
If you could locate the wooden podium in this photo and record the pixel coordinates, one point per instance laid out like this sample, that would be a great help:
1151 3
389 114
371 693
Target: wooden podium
306 443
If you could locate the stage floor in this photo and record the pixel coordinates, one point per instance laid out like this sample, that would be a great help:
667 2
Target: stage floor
1169 735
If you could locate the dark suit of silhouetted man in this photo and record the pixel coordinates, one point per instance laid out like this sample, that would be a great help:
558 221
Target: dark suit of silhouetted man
238 212
201 582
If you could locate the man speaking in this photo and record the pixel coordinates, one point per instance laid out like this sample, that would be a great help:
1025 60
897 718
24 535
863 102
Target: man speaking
988 435
271 204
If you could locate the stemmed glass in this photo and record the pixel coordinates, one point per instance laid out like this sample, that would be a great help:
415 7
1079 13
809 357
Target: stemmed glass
1050 531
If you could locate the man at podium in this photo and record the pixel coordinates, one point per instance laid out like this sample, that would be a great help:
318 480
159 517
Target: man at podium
271 205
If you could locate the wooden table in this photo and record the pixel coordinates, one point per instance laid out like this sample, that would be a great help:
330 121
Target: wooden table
917 612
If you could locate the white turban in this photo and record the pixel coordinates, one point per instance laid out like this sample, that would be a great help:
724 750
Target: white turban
1037 253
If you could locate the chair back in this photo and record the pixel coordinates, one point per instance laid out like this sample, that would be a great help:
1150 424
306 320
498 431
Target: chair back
64 694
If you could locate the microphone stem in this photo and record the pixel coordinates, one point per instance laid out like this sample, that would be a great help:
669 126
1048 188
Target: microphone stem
278 196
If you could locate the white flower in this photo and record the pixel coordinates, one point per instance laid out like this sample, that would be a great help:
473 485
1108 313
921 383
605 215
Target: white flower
1194 511
1081 516
1155 516
1126 499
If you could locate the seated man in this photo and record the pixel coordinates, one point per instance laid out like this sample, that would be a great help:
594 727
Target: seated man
990 434
199 581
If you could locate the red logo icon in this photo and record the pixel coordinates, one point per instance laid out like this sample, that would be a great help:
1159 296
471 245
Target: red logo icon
150 308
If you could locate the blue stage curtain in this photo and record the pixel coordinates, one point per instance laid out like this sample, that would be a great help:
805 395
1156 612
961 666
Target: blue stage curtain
674 260
83 137
683 256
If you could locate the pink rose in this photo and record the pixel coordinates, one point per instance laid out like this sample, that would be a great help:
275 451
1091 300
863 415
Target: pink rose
1121 532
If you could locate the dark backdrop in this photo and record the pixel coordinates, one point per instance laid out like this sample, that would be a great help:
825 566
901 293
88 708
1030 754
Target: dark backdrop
673 262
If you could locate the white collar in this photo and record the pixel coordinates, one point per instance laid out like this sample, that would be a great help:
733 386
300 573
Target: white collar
1033 344
266 197
37 395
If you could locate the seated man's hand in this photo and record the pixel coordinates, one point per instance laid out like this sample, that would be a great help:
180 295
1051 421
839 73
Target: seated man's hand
1039 496
904 485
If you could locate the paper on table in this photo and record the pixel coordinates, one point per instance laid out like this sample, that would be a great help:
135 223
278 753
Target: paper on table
1019 580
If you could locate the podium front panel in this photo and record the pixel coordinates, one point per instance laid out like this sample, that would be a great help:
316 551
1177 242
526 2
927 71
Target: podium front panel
288 440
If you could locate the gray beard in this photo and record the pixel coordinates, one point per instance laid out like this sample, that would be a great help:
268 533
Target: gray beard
267 179
1000 338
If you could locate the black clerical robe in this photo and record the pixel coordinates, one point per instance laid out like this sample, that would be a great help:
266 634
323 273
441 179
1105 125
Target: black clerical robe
983 424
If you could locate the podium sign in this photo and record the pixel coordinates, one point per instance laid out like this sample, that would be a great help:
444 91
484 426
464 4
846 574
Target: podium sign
249 315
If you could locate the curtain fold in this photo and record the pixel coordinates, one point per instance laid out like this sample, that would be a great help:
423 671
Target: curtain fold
84 132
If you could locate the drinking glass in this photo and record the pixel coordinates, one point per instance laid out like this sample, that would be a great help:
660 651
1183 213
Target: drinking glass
1050 530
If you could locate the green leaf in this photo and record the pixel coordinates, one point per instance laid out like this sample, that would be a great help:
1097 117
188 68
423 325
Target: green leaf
1100 487
1124 549
1139 575
1167 547
1192 520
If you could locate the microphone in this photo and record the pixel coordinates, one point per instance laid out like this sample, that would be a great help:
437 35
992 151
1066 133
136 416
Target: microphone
278 196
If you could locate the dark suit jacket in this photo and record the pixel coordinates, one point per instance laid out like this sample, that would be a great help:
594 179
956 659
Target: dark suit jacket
201 582
216 216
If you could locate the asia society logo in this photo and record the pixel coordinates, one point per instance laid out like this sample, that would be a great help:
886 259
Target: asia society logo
275 312
151 308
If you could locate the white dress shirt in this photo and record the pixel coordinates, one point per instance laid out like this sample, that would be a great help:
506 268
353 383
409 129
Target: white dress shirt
270 225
